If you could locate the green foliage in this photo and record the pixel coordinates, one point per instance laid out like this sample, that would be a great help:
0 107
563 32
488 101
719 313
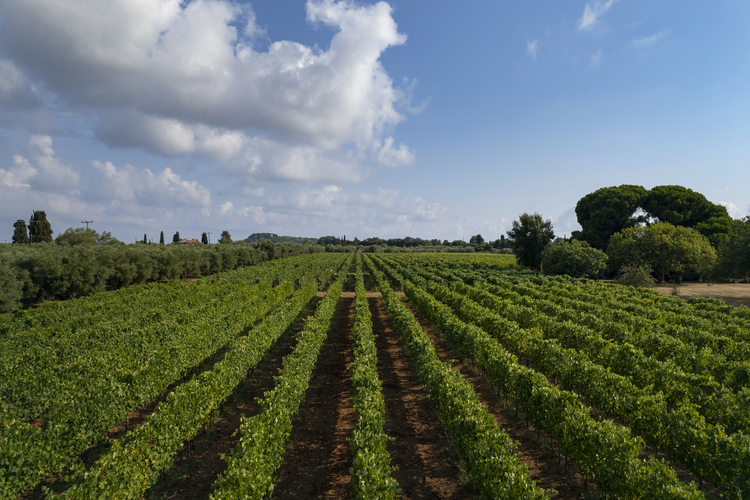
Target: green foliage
20 232
161 238
52 271
734 253
485 449
528 237
86 364
607 211
204 238
252 467
574 258
40 229
176 237
225 237
638 276
11 288
664 247
83 236
371 468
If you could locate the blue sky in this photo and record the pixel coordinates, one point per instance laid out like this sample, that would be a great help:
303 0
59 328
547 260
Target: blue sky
434 120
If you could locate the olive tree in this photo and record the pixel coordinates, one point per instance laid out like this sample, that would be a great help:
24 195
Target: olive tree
664 247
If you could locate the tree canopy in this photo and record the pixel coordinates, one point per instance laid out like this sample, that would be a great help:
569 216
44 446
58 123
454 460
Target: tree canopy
225 237
39 228
574 258
664 247
528 237
609 210
734 252
83 236
20 232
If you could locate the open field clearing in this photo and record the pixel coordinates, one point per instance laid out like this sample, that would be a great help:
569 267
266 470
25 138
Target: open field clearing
382 376
733 294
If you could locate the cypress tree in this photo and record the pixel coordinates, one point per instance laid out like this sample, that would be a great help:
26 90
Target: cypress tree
145 240
39 228
161 238
20 233
176 237
204 239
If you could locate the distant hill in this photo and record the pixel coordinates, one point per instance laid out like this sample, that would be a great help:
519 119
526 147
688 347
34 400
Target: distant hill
275 238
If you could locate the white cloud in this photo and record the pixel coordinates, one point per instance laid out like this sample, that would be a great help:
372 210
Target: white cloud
566 223
649 40
45 172
592 12
176 77
596 58
532 47
19 175
144 188
735 212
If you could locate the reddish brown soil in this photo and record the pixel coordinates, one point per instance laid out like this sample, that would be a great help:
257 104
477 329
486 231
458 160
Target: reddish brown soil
200 463
318 458
427 467
547 465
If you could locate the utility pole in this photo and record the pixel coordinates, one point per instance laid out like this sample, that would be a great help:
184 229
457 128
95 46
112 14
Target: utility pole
209 238
87 222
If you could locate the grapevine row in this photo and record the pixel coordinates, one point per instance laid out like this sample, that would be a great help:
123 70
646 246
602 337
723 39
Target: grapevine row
371 469
260 451
134 463
600 448
486 449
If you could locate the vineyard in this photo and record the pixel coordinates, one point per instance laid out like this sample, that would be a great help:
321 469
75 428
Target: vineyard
341 375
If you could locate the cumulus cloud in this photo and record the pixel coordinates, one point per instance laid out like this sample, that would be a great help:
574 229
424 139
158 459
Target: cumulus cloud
532 47
592 12
143 187
646 41
43 182
45 172
173 77
735 212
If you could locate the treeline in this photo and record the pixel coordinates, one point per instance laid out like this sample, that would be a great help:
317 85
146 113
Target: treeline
475 244
639 235
52 271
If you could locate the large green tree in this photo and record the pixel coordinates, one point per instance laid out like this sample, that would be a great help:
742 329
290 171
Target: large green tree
84 236
681 206
20 232
734 252
225 237
664 247
607 211
39 228
528 237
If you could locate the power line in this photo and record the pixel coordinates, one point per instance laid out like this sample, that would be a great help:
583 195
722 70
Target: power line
87 222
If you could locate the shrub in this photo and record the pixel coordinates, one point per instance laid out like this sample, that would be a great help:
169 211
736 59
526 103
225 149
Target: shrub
575 258
635 276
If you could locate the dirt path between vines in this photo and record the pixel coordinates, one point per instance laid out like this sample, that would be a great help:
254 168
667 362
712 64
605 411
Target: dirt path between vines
543 459
200 463
427 467
318 459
